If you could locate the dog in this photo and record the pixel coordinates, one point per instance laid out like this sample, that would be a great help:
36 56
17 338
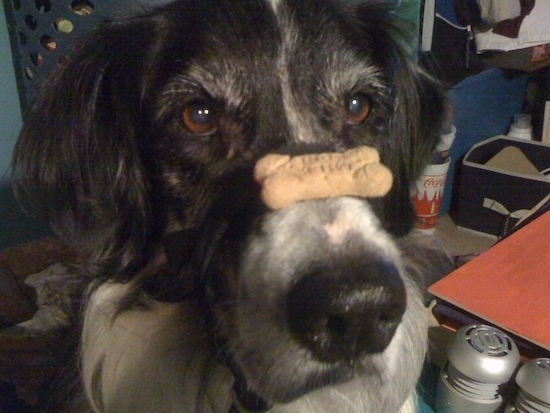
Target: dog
196 296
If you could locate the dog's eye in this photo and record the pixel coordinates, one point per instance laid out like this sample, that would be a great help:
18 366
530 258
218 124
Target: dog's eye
358 109
200 118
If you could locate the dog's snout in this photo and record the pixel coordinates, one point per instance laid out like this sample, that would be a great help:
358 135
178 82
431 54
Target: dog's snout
340 314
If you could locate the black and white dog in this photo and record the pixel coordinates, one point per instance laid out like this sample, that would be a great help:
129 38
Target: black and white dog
199 298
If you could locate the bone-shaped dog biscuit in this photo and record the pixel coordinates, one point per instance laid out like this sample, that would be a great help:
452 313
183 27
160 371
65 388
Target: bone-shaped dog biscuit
356 172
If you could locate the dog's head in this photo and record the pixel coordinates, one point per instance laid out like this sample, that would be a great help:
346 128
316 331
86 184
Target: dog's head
154 119
155 124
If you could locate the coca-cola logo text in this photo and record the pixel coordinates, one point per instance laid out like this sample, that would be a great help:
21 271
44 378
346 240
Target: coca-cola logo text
434 182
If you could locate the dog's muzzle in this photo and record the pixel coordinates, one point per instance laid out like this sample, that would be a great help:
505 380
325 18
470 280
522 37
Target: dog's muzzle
319 295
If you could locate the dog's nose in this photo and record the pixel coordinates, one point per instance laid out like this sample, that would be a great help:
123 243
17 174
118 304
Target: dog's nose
344 312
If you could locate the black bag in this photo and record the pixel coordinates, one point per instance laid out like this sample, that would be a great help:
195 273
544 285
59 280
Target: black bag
453 53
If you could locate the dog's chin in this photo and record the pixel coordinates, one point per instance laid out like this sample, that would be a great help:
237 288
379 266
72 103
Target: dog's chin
287 381
279 361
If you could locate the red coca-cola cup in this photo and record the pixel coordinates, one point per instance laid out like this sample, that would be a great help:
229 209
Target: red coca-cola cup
427 193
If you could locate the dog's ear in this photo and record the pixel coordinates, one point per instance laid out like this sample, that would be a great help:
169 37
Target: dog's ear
78 154
419 112
417 109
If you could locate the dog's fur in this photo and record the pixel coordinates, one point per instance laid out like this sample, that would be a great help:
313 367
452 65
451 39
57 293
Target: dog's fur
188 273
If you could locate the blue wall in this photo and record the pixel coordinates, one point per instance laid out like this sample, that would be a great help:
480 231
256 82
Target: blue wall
15 227
10 114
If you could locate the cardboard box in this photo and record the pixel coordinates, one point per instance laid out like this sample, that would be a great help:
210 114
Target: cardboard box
493 197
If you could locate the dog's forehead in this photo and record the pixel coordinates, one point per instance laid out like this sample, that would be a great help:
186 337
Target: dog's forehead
274 4
301 58
285 34
318 59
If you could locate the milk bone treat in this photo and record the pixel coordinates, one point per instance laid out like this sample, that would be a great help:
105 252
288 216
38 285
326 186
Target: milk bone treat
356 172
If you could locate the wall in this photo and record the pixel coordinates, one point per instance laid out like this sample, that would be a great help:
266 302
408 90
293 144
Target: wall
10 115
15 227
